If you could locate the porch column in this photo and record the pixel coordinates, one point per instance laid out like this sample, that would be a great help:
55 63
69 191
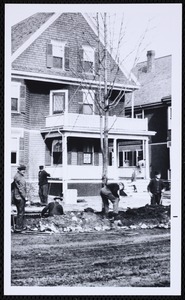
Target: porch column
64 164
147 172
115 159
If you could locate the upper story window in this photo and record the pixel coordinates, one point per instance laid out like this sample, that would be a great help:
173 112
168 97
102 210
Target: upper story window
58 101
88 102
58 55
88 59
15 96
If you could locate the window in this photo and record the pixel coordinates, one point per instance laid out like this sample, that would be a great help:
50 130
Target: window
88 102
57 152
58 55
139 116
87 155
15 96
14 150
58 101
88 59
127 158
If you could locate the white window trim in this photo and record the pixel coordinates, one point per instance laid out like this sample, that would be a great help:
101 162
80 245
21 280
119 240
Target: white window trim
16 84
87 48
91 102
51 103
61 45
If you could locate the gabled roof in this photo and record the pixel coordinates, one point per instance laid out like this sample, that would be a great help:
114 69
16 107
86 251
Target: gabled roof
27 31
156 84
22 31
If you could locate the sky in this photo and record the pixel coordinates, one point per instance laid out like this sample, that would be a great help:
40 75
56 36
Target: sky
152 26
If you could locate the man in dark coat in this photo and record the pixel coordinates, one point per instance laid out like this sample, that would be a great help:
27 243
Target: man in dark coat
155 188
112 192
53 208
43 185
19 197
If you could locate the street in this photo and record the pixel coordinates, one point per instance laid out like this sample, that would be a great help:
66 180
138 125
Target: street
119 258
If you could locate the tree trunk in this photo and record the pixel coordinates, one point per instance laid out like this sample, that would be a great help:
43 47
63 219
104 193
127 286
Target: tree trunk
106 102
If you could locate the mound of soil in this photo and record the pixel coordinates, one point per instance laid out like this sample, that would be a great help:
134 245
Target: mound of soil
88 220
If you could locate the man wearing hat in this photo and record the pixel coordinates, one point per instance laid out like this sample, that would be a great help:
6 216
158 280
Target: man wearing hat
19 195
53 208
43 185
155 188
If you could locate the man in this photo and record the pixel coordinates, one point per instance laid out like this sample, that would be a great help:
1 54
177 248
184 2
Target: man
112 192
53 208
19 197
43 185
155 188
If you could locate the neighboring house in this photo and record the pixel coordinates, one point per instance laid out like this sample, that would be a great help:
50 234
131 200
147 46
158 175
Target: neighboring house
54 109
153 101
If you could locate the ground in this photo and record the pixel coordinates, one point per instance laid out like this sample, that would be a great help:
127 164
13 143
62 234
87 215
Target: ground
85 249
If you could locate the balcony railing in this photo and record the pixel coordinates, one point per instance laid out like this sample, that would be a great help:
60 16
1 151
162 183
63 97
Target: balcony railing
91 123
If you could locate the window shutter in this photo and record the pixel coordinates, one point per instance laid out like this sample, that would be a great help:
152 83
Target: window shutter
22 98
96 62
80 61
69 158
21 144
80 103
96 159
80 108
49 56
47 157
66 57
80 158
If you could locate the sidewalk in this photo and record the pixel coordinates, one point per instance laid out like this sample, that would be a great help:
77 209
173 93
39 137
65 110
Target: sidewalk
133 200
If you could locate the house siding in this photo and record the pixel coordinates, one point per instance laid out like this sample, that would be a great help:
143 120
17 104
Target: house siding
76 32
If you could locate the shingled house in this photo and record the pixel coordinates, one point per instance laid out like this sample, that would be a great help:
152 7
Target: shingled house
153 101
54 113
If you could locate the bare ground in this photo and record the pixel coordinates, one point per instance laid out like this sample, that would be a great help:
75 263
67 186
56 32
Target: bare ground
119 257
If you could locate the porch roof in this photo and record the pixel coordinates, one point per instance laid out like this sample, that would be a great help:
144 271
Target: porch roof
81 132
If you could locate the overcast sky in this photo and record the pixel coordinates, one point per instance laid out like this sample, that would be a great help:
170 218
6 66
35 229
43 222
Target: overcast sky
161 22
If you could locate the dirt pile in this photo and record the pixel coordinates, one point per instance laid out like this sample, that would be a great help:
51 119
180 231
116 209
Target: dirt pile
88 220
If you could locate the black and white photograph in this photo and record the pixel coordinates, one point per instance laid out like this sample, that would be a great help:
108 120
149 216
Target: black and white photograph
92 149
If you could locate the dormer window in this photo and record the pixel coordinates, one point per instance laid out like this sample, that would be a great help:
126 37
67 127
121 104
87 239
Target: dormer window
88 59
58 55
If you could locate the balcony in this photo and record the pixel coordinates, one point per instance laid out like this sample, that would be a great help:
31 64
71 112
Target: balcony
91 123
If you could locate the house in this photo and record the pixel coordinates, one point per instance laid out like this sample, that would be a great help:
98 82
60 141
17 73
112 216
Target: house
153 101
55 117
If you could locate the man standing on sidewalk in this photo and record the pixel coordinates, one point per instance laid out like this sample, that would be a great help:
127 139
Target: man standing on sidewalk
19 197
155 188
43 185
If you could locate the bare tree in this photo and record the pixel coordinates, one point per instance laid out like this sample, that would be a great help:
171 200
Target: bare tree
104 99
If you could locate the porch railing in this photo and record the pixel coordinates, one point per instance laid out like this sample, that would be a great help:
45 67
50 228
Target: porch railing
85 123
